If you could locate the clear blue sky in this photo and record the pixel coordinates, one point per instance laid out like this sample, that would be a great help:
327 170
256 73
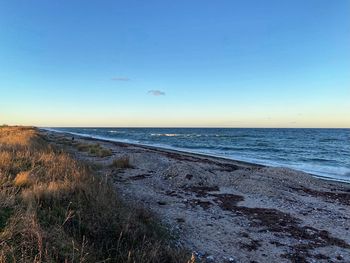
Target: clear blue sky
175 63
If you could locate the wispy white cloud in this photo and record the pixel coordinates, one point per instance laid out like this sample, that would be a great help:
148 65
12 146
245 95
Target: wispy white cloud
120 78
156 92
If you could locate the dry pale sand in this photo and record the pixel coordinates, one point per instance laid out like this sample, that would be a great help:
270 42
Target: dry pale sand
228 211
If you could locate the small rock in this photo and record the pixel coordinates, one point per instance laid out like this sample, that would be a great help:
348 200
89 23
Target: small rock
189 176
339 257
180 220
229 259
199 254
210 258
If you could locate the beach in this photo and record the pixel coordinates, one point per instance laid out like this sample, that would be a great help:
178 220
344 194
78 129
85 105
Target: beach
175 131
225 210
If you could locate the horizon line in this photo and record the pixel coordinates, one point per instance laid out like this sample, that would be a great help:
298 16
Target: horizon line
186 127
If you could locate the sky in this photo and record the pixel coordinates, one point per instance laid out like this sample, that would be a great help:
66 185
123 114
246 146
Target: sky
183 63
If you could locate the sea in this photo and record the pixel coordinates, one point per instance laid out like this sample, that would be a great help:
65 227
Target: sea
322 152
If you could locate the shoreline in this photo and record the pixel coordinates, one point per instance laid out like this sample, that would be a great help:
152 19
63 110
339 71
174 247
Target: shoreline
224 209
183 151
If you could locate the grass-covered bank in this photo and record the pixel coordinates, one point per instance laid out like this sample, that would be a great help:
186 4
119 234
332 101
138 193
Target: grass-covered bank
53 209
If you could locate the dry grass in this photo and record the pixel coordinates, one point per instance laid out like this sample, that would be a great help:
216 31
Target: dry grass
16 135
122 163
53 209
94 149
22 179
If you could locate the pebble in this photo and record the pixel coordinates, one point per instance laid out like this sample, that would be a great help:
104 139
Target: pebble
210 258
229 259
199 255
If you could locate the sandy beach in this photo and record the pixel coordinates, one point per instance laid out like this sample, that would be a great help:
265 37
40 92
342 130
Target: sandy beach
230 211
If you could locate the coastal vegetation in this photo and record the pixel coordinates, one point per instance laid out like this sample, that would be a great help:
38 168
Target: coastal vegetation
94 149
53 208
122 163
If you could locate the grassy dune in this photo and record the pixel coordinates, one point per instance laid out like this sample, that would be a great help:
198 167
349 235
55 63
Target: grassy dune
53 209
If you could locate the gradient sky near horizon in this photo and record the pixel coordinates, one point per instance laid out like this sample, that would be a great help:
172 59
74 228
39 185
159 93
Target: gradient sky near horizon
175 63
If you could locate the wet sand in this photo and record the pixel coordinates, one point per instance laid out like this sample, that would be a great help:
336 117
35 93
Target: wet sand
231 211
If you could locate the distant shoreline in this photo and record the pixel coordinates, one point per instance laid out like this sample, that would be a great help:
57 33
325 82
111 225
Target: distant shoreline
193 153
157 148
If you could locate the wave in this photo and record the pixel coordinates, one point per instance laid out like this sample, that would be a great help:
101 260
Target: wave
326 171
319 160
166 134
263 144
222 136
330 140
114 131
175 135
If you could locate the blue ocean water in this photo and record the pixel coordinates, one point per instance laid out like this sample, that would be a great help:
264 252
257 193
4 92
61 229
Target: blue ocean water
322 152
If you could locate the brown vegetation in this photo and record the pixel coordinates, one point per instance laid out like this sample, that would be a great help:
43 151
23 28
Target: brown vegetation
94 149
22 179
122 163
53 209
